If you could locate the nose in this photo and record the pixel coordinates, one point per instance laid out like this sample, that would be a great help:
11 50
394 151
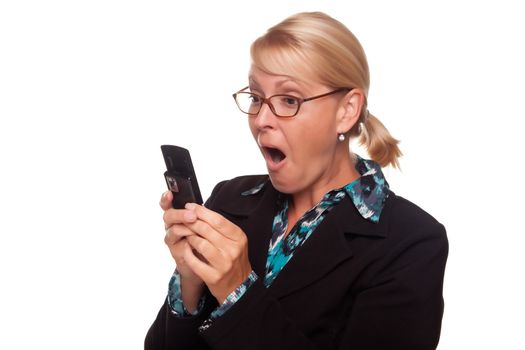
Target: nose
265 119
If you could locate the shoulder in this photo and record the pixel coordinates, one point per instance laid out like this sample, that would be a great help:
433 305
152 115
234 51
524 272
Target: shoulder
403 210
233 189
408 243
238 185
406 218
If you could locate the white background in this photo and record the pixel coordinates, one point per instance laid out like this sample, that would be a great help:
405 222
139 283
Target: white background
89 90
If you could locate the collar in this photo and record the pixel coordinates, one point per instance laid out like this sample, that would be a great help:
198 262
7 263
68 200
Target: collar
368 193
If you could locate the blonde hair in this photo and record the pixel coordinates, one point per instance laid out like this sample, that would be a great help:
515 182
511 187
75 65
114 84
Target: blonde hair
315 46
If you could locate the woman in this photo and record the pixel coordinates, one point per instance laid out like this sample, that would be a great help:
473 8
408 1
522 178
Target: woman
319 253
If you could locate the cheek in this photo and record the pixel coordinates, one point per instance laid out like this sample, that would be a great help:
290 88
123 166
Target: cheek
319 143
314 139
252 127
310 149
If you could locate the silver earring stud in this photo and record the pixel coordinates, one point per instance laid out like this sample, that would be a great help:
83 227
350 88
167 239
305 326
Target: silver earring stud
341 137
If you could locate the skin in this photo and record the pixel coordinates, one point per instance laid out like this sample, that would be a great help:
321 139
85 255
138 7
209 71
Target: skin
207 248
211 251
316 162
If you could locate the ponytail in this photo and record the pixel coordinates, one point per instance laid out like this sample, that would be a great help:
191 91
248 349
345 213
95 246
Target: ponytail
381 146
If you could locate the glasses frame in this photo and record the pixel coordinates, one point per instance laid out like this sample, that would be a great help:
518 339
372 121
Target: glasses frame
267 100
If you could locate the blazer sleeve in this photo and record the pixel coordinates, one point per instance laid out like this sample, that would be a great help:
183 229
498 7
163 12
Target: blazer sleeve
401 307
170 331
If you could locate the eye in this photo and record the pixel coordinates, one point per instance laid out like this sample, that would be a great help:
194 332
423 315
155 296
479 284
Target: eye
254 99
289 101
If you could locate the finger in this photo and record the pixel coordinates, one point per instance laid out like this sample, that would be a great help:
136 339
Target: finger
178 216
165 200
206 272
228 238
228 249
216 221
175 233
177 251
204 230
207 250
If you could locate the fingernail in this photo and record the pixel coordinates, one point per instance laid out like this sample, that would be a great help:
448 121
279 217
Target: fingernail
190 206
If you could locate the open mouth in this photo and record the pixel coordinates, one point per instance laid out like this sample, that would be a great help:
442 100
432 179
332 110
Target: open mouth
274 154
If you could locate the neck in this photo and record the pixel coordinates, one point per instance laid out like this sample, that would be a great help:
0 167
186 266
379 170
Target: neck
337 177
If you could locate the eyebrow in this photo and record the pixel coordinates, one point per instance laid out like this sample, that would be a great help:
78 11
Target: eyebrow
280 83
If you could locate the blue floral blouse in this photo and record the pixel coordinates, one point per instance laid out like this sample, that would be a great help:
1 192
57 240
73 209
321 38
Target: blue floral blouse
368 194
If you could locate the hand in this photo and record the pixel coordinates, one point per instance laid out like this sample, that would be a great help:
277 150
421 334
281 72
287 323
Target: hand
175 221
223 247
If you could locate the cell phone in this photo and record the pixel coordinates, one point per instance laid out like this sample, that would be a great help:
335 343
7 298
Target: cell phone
180 176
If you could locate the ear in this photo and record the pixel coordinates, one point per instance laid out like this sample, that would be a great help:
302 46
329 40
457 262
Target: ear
350 110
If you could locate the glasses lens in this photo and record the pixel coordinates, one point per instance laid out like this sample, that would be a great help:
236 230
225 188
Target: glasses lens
281 105
285 105
248 103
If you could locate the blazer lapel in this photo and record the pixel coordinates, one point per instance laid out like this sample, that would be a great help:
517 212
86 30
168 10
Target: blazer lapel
325 249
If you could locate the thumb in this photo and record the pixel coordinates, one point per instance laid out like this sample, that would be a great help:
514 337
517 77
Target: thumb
165 200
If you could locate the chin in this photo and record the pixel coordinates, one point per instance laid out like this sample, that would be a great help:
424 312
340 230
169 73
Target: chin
282 185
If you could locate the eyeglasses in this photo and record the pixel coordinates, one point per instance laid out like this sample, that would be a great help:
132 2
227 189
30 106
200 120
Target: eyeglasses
284 106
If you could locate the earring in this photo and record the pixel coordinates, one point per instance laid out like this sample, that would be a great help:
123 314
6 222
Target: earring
341 137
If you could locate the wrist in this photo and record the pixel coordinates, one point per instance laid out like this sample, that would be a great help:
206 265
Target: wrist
191 292
234 296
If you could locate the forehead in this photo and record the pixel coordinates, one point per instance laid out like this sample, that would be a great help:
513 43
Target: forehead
260 78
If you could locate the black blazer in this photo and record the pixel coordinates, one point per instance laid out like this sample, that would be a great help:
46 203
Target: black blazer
354 284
